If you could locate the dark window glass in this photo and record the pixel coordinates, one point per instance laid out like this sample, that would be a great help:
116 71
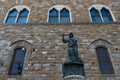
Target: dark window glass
64 16
53 16
17 61
106 15
95 15
22 18
104 61
11 18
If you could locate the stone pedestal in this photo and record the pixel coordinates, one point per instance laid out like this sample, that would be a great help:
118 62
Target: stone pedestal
73 71
73 68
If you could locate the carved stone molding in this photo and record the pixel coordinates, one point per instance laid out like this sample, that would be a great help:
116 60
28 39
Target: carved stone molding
74 77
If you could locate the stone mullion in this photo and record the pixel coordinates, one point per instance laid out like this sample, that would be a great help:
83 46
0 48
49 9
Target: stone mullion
17 17
100 15
59 16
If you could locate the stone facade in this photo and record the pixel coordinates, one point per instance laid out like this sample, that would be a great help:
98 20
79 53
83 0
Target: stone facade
45 50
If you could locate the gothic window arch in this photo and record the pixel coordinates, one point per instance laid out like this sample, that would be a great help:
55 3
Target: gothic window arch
102 51
104 61
19 51
12 16
53 16
17 14
95 15
59 14
101 13
17 61
106 15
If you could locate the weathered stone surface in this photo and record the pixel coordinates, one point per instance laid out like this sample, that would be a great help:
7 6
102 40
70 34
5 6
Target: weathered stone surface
45 59
46 51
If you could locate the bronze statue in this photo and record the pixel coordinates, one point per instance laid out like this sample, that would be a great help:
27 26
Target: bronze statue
72 50
74 65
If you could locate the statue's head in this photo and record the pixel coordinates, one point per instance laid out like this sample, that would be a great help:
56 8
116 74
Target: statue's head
71 35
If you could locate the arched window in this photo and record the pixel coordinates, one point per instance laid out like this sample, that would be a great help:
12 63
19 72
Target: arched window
17 61
64 15
59 14
12 16
95 15
106 15
17 14
101 13
104 60
22 18
53 16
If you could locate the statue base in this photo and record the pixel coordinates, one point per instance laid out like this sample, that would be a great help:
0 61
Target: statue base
74 77
73 68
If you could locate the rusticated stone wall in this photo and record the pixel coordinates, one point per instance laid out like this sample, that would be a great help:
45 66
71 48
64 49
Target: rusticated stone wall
45 49
39 8
46 52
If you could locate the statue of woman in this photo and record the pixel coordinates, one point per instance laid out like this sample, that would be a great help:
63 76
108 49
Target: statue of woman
72 50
